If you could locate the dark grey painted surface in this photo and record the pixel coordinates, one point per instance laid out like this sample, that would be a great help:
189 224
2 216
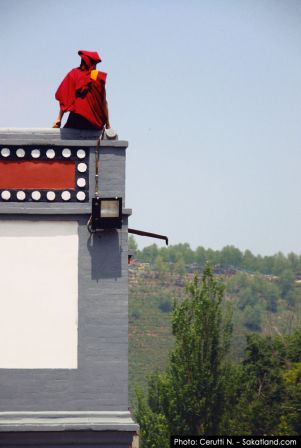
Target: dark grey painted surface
101 381
106 439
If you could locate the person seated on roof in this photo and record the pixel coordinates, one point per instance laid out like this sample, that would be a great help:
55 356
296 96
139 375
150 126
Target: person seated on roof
83 93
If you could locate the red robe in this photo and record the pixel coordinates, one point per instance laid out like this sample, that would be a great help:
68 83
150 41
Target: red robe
85 96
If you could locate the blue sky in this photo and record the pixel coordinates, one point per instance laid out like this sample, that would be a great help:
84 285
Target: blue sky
207 92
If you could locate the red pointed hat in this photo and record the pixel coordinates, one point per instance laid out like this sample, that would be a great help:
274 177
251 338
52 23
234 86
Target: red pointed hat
93 55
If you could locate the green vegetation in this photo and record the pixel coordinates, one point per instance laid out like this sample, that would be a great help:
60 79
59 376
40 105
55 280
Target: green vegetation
265 400
260 376
182 256
205 390
189 397
267 304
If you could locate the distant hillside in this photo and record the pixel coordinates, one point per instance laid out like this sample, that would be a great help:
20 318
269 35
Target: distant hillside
262 300
180 258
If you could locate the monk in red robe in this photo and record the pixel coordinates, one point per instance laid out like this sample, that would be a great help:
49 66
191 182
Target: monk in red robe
83 94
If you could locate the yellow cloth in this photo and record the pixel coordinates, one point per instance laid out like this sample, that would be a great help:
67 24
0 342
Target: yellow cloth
94 74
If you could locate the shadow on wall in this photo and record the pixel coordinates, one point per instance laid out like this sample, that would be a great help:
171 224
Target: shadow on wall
105 251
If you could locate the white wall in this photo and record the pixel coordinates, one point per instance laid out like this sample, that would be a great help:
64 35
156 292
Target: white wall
38 294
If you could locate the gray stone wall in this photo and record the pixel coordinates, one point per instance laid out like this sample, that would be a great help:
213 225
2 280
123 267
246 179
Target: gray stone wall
100 382
59 399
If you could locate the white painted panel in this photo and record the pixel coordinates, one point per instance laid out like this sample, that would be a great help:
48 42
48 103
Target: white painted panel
38 294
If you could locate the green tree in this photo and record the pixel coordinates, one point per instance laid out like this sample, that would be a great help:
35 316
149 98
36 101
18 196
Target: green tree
271 294
260 391
149 253
231 256
180 266
132 243
237 282
153 426
247 297
290 422
266 264
294 263
280 263
253 317
249 262
268 393
287 282
212 256
190 394
160 264
200 256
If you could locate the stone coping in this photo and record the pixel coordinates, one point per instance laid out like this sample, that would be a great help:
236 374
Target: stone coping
65 421
18 136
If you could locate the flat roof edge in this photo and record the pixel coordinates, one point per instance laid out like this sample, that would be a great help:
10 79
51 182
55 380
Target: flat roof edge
55 136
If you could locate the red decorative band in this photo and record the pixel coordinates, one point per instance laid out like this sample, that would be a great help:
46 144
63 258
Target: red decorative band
37 174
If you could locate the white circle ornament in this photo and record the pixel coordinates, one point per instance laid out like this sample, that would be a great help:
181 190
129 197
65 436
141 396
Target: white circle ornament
35 153
81 182
82 167
21 195
36 195
66 153
81 153
5 195
81 196
20 152
50 195
50 153
66 195
5 152
110 133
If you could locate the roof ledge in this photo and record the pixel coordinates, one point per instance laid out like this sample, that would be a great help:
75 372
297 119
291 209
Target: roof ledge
55 136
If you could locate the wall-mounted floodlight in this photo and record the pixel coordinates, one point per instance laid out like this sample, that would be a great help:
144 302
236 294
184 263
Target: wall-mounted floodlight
106 213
